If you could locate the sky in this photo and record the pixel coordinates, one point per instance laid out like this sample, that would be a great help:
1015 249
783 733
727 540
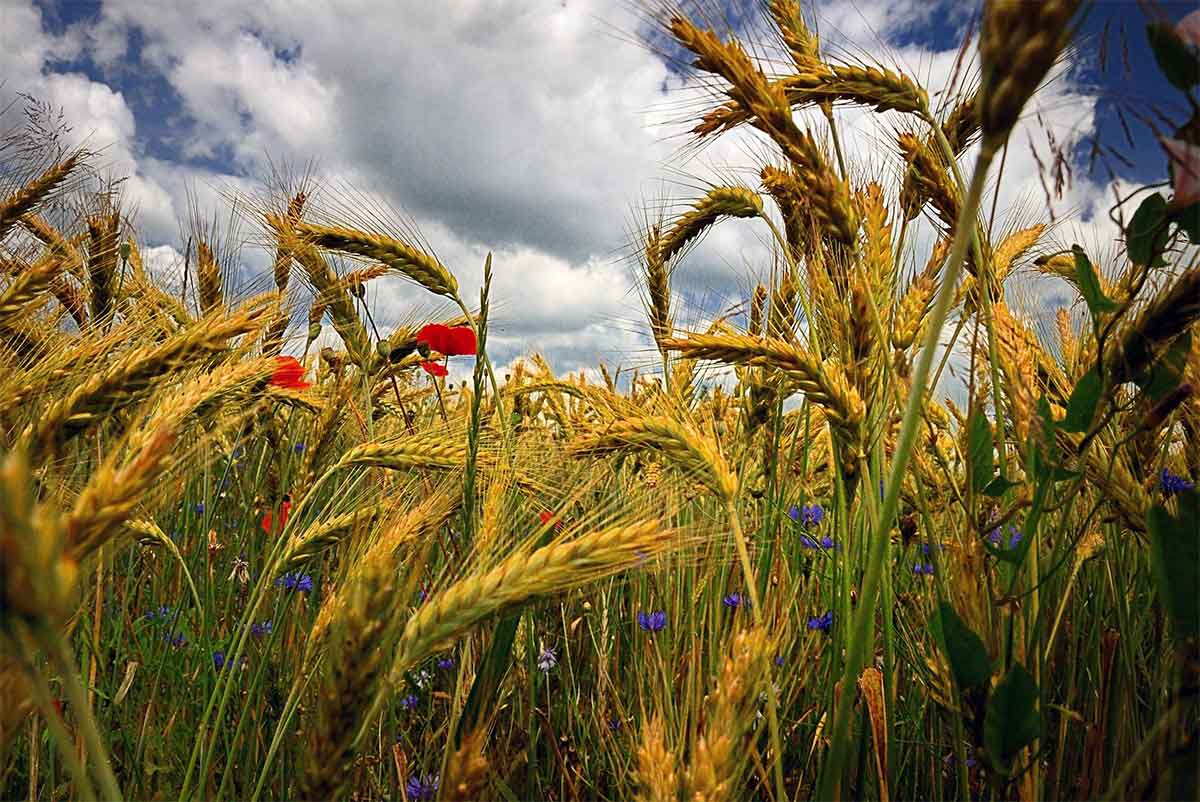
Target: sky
538 130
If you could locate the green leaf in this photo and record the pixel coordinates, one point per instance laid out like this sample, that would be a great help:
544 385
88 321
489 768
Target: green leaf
1146 234
1012 721
1167 371
979 449
999 486
967 655
1089 285
1188 219
1175 557
1178 63
1081 409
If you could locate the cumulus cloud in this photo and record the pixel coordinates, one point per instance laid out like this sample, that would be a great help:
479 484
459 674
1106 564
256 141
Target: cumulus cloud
530 129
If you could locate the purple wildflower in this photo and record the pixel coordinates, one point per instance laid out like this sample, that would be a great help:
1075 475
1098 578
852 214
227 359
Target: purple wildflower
779 660
261 630
219 659
294 580
1172 484
547 660
821 623
177 640
200 508
808 516
445 663
734 600
652 622
298 448
923 569
421 788
410 701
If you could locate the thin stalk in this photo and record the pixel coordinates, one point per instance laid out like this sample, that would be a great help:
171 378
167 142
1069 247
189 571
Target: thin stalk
864 619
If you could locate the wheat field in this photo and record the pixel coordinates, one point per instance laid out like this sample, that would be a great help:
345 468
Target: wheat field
771 564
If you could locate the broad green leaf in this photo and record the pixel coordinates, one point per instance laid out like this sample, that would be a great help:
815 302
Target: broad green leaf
999 486
1146 234
1188 219
1175 557
979 449
1012 721
1089 285
1082 406
967 655
1179 64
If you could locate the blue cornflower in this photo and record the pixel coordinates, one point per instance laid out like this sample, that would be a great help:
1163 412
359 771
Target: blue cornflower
809 515
829 543
923 569
1172 484
219 659
652 622
808 543
200 508
177 640
410 701
779 660
821 623
925 547
1014 537
421 788
294 580
422 596
261 630
162 613
445 663
298 448
733 601
614 724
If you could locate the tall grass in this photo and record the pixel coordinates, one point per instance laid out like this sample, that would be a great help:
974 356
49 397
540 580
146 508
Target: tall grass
226 576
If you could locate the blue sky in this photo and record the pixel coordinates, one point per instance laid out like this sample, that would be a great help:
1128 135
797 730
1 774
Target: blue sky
533 128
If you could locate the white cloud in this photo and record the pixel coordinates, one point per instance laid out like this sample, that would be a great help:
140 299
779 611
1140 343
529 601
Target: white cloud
527 129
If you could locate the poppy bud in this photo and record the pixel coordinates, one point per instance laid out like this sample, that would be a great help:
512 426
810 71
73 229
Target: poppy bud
314 331
383 349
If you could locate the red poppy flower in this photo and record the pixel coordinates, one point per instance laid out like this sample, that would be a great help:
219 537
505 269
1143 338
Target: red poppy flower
448 340
285 509
546 516
289 374
434 368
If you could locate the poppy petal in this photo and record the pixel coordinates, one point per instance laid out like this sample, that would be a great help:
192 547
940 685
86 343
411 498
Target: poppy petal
436 336
434 368
462 342
289 374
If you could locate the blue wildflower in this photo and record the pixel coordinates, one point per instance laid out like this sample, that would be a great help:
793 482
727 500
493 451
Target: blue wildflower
261 630
421 788
733 601
923 569
1172 484
294 580
652 622
445 663
175 640
925 547
808 543
410 701
779 660
298 448
422 596
614 724
1014 537
808 516
200 508
219 659
829 543
821 623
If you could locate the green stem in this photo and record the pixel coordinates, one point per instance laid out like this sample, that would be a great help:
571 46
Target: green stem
862 630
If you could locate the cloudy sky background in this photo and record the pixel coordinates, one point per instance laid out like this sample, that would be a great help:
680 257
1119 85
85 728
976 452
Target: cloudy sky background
538 130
